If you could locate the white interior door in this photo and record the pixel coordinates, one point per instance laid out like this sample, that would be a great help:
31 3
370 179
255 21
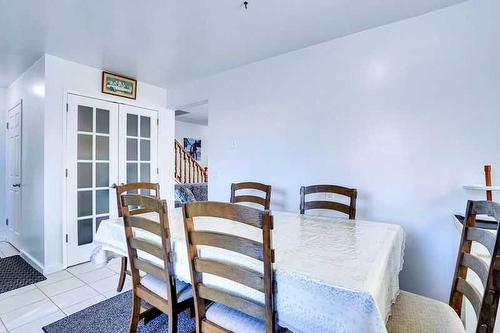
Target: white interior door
138 145
92 163
14 140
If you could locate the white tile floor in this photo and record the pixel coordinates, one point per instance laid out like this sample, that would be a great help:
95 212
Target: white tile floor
28 309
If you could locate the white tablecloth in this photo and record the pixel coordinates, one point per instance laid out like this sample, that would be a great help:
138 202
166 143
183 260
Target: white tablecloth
332 275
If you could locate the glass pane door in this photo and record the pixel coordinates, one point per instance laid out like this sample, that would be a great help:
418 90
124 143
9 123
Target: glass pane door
138 145
92 168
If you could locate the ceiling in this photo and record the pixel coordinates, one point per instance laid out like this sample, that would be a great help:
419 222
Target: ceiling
195 113
163 42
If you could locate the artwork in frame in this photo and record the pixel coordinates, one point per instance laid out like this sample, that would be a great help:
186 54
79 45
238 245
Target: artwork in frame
119 85
193 147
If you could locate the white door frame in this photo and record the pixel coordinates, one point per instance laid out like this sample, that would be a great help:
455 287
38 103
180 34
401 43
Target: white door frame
112 99
8 235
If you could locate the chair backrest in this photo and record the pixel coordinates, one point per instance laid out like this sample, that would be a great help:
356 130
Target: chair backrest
138 188
260 251
155 256
265 202
332 205
485 305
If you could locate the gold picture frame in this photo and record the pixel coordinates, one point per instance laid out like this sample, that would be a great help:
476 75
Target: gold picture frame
118 85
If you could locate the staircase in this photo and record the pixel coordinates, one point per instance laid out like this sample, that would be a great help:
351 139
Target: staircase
187 170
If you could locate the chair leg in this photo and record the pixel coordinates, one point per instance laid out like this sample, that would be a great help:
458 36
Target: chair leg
136 314
172 322
150 315
123 274
190 311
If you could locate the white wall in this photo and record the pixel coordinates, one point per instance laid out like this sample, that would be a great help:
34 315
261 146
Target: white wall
406 113
3 120
29 88
195 131
61 76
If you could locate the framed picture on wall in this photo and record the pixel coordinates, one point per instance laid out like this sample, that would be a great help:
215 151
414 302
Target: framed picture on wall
119 85
193 147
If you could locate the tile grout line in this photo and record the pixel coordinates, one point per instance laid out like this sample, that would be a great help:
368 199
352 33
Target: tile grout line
72 275
24 305
13 328
87 284
97 291
1 321
100 293
50 299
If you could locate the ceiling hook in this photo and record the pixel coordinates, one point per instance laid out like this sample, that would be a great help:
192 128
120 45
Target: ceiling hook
245 4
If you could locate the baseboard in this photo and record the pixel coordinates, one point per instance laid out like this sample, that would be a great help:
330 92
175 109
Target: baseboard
53 269
32 261
45 270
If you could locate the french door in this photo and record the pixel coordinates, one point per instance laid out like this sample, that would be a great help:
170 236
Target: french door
107 143
138 145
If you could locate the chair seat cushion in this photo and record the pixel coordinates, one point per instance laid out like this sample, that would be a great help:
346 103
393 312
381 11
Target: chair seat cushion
234 320
159 287
413 313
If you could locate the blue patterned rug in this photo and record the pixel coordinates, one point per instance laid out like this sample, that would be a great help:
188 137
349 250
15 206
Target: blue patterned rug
113 316
16 273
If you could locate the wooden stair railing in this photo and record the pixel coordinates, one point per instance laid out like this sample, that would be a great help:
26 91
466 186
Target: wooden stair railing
187 170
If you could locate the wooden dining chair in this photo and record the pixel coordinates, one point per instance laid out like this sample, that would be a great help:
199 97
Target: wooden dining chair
157 287
351 193
219 310
413 313
132 188
265 202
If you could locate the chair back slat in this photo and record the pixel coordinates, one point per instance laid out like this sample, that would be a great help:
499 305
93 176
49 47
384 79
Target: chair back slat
477 265
489 208
149 268
249 198
485 304
241 214
228 242
240 274
349 209
145 224
335 189
235 302
134 188
225 269
471 292
148 204
153 299
484 237
147 247
265 201
328 205
250 186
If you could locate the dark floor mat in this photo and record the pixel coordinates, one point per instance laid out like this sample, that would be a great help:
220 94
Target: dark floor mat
15 273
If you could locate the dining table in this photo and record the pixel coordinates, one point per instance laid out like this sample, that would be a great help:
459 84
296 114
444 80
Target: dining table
332 274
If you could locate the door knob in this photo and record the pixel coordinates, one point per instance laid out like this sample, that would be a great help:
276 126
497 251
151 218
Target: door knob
16 185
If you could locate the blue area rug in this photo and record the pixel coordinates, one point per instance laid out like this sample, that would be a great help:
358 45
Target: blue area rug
113 316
